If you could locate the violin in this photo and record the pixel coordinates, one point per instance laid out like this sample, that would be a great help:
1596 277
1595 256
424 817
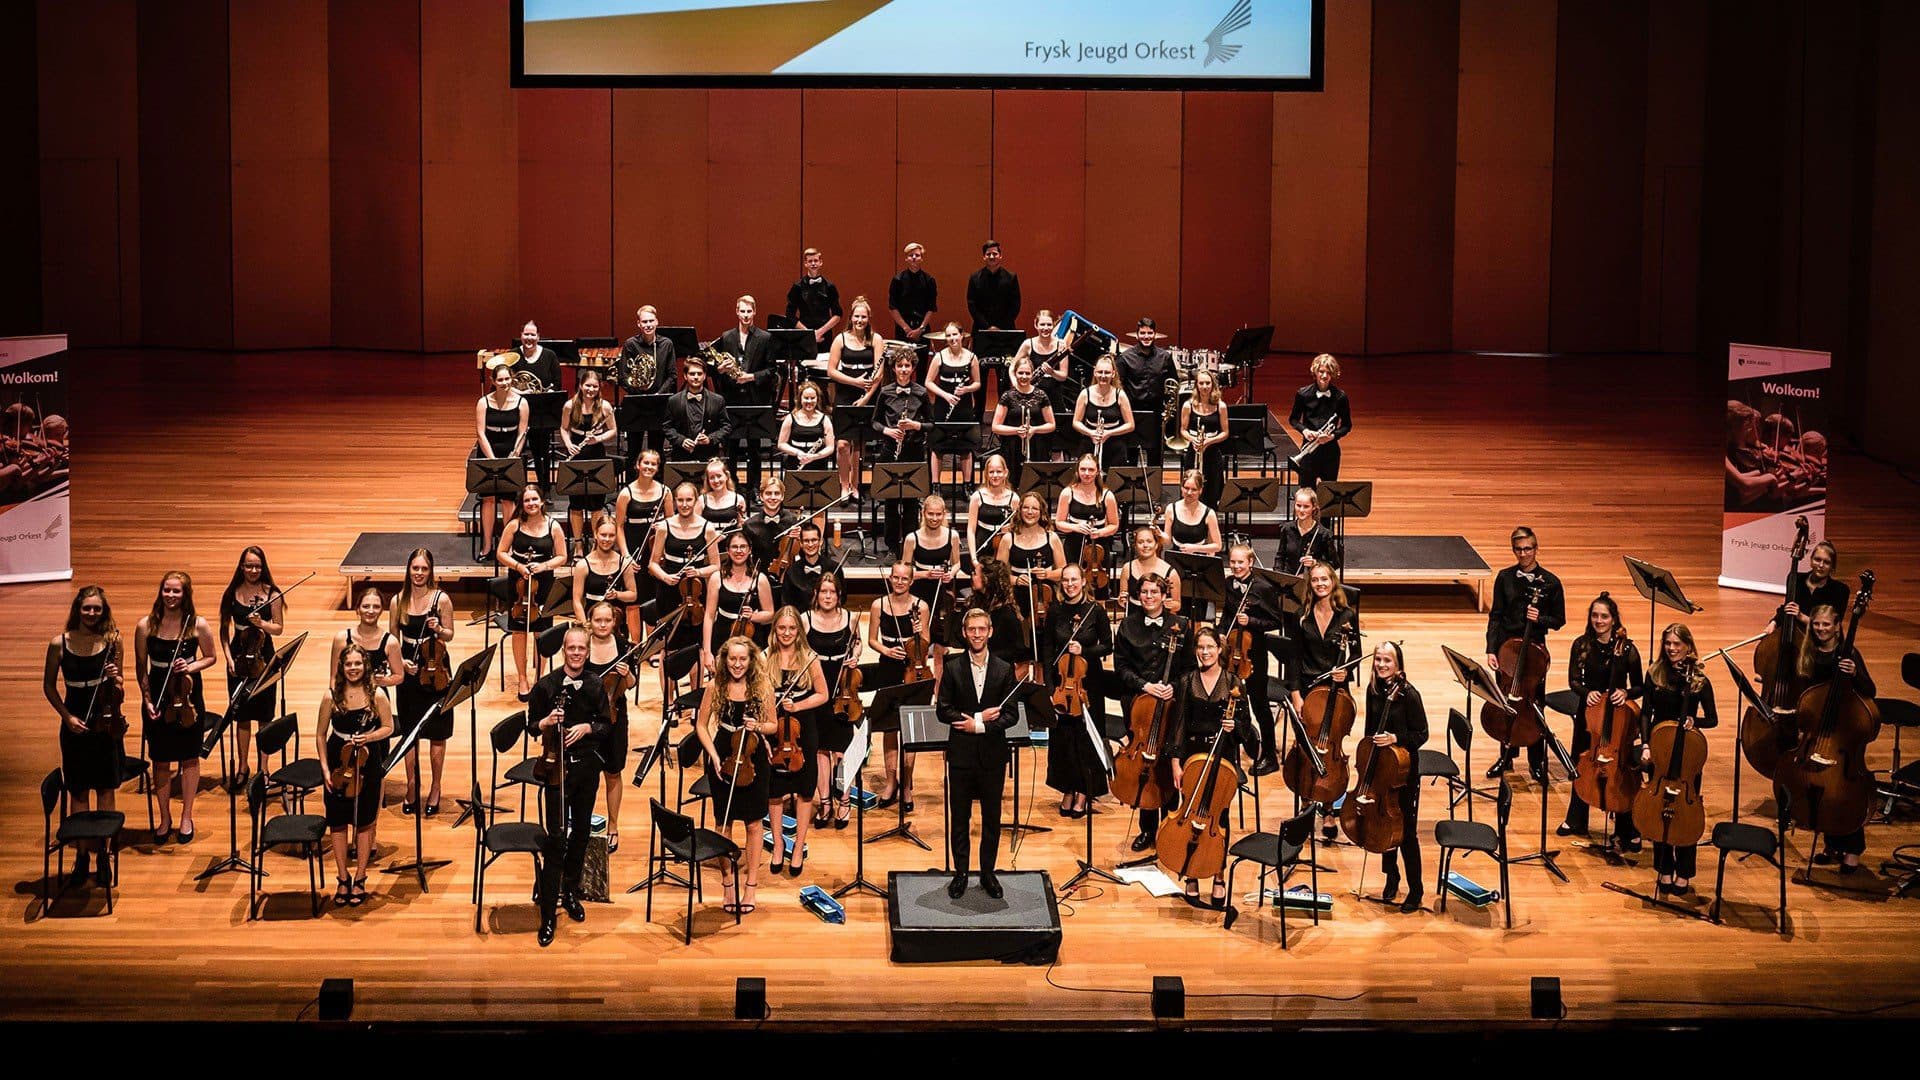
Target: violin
743 622
1192 842
1606 776
918 670
1371 816
1093 563
176 694
785 752
551 766
1142 773
104 704
346 775
846 695
1669 810
736 767
1524 663
431 655
1763 737
1327 713
1824 779
617 684
1070 685
1240 641
693 597
251 646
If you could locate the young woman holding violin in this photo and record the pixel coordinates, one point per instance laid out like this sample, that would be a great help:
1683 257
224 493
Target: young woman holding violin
990 506
739 599
607 660
1087 512
1591 666
252 614
1396 716
1678 691
737 709
722 506
1823 653
1032 550
87 656
354 724
1146 562
1201 712
603 575
1326 623
1190 526
800 693
894 621
1308 539
176 645
640 508
806 435
933 550
422 618
587 431
1077 633
1152 649
532 547
833 634
381 645
500 422
684 556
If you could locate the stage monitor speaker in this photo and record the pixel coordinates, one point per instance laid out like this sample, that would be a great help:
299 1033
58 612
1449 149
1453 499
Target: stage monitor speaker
336 999
749 999
1169 997
1546 998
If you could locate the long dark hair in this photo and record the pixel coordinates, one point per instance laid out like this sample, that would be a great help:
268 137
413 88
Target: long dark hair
404 600
106 611
997 579
1605 600
240 576
340 673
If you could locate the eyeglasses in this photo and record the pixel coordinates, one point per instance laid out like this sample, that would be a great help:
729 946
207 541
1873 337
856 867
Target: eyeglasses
1519 549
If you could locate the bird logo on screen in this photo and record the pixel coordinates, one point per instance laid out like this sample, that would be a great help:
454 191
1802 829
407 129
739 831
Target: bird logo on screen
1237 20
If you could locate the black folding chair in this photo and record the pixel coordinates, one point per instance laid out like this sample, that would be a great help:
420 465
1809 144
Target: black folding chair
299 777
1741 838
1454 835
79 827
1281 853
308 832
681 842
492 840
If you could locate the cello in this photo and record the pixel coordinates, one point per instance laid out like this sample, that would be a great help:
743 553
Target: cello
1192 841
1669 810
1824 778
1142 773
1371 815
1524 663
1327 715
1767 734
1605 775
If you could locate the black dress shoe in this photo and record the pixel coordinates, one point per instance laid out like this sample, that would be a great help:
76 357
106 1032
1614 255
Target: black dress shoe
571 904
957 888
1392 887
547 927
991 885
1496 769
1825 858
1413 903
1142 842
1265 766
1564 829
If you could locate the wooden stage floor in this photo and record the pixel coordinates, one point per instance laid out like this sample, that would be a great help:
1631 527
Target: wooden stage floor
184 458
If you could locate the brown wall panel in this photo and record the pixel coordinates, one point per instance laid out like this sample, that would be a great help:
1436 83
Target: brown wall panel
753 189
1410 175
944 188
21 308
846 191
1504 179
89 169
186 206
1890 379
566 211
1225 206
660 207
469 243
282 249
1040 193
1317 289
1599 147
1133 208
1676 134
373 123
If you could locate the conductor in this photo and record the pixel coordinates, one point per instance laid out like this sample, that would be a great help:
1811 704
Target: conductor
977 750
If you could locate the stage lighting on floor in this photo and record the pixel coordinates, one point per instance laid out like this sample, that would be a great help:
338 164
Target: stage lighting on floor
1169 998
1546 998
336 999
749 999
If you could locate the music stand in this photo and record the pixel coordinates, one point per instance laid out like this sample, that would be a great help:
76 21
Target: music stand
1340 500
463 685
1047 478
1134 486
269 678
952 439
686 341
1478 684
1105 757
1658 586
850 765
584 478
901 480
810 489
675 473
492 478
1032 702
543 410
897 703
1249 494
644 415
1202 578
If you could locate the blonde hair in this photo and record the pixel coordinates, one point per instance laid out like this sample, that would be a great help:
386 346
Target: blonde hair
758 683
801 648
1324 362
1338 597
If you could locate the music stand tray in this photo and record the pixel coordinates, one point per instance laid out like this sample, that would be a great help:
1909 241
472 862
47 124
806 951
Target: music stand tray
543 410
1047 478
852 422
585 478
1249 494
998 344
686 340
1345 498
496 478
1658 586
1202 577
642 413
1247 434
793 343
1135 486
810 489
754 422
675 473
901 480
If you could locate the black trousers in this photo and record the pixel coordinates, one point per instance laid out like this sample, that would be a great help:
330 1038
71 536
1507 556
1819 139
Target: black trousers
569 820
1409 850
1853 843
1678 861
968 783
1322 464
750 449
1262 708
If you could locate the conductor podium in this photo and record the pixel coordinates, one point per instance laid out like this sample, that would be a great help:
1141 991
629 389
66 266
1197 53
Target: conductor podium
928 927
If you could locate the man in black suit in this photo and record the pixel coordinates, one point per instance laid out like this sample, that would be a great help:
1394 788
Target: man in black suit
569 698
1144 369
758 383
697 424
977 750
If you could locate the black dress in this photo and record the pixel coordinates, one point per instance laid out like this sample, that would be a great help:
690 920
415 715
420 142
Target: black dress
747 802
259 707
832 648
343 810
1028 408
533 549
579 428
1213 463
613 746
731 604
1188 533
1315 653
171 742
1025 558
1108 417
951 377
930 557
731 512
599 588
503 427
1093 513
679 553
1073 767
895 632
806 780
1317 541
412 700
641 512
807 437
90 760
855 362
988 516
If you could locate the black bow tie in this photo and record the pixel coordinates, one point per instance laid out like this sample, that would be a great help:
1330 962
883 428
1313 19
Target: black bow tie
1155 622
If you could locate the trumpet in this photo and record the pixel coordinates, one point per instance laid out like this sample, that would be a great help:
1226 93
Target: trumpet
1100 445
1313 440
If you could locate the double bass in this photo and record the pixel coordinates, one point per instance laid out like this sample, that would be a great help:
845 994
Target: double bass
1524 663
1767 734
1327 714
1668 810
1371 815
1824 778
1142 773
1605 775
1192 841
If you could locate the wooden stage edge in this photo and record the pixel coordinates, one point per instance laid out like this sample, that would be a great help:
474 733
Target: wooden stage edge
184 457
